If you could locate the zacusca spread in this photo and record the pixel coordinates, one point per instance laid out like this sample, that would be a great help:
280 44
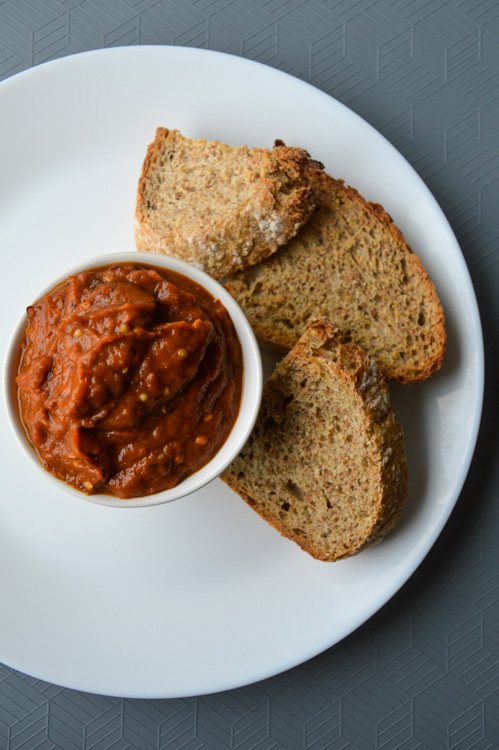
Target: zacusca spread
129 380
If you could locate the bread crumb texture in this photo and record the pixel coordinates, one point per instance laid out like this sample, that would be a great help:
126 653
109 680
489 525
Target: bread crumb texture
218 207
350 264
325 463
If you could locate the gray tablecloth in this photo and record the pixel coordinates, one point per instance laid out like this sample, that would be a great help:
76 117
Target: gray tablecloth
423 672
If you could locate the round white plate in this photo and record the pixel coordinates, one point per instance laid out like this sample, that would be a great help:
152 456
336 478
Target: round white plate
199 595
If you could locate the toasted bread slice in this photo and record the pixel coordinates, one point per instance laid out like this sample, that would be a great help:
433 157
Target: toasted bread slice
351 265
325 463
219 207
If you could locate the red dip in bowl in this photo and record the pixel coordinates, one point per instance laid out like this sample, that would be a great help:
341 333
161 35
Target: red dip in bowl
129 379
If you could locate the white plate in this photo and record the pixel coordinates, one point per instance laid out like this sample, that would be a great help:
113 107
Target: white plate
199 595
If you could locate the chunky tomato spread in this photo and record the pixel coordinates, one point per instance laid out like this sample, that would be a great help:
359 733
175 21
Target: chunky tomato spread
129 380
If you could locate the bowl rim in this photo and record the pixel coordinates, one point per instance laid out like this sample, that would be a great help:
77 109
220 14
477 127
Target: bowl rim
250 396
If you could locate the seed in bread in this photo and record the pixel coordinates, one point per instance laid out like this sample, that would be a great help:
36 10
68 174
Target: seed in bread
351 265
325 463
219 207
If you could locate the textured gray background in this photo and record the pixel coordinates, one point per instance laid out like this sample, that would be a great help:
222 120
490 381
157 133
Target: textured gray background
424 672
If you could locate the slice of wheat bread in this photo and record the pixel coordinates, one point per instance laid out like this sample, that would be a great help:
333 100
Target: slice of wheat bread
219 207
352 265
325 463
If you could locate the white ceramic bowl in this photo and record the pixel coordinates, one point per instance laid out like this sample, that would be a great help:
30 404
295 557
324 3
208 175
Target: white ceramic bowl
251 393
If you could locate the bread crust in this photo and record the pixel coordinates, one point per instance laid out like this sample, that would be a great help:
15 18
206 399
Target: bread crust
219 207
351 264
332 491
